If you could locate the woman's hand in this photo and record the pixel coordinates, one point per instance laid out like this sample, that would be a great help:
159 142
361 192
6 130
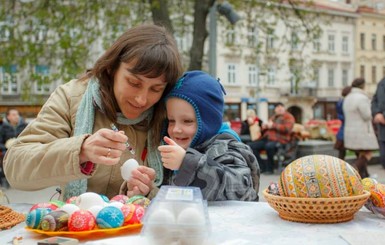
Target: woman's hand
141 181
172 154
104 147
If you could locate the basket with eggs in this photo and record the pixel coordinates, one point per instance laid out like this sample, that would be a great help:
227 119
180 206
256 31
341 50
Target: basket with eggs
317 189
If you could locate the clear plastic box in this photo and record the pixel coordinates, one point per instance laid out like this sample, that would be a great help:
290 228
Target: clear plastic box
177 215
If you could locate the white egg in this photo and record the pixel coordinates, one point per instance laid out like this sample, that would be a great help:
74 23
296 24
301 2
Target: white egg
161 216
191 216
69 208
127 168
95 210
115 204
89 199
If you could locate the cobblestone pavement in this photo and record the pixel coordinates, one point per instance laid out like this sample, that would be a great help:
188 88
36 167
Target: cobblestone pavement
16 196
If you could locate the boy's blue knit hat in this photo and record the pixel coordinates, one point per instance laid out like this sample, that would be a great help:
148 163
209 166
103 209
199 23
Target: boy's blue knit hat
205 94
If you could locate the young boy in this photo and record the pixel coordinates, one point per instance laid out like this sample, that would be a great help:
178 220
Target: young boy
204 152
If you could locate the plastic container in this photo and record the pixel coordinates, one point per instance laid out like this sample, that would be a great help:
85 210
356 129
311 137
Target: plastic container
177 215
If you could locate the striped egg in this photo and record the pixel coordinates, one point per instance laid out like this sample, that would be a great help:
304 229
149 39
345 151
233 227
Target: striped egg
320 176
55 221
35 217
377 195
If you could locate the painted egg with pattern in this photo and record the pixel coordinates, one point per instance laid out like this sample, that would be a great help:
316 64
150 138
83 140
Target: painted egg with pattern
320 176
35 217
139 200
81 220
132 213
377 195
369 183
110 217
55 221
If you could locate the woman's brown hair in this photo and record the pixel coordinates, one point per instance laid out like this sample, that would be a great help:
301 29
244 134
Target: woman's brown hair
153 51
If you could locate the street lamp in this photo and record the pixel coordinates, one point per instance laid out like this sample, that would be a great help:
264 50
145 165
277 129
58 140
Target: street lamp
226 10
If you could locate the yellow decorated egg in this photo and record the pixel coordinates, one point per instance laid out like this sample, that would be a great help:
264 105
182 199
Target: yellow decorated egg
320 176
377 195
368 183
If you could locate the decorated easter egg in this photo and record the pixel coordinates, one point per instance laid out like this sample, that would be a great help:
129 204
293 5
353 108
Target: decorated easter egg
139 200
55 221
132 213
69 208
58 203
89 199
368 183
35 217
320 176
377 195
44 205
110 217
72 200
81 220
127 168
105 198
120 198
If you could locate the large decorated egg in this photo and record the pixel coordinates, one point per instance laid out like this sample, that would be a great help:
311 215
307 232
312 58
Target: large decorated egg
110 217
55 221
320 176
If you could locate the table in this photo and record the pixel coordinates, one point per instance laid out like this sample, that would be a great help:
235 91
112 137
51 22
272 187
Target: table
245 223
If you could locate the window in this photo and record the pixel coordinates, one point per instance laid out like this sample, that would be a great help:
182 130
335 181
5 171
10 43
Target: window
42 85
270 39
253 75
316 76
362 71
8 79
230 37
374 42
383 43
345 44
374 77
231 74
362 41
271 75
294 41
345 78
317 44
331 43
252 36
331 77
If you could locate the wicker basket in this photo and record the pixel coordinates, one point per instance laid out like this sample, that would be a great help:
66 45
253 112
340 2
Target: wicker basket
316 210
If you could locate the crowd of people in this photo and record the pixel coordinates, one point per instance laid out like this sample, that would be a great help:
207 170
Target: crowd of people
174 122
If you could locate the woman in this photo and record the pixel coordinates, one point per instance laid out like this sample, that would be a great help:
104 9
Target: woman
359 135
339 145
71 139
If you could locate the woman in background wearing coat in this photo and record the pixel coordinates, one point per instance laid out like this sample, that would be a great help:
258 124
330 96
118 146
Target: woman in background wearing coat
359 134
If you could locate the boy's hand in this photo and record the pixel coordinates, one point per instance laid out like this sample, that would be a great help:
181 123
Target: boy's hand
172 154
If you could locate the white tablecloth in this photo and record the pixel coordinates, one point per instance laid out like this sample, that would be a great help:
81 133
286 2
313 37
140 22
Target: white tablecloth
244 223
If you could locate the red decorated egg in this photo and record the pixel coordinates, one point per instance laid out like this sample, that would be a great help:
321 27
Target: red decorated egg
120 198
377 195
320 176
132 213
51 206
81 220
71 200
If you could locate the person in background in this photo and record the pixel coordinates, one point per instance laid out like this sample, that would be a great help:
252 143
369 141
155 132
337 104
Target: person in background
339 144
378 113
201 150
71 143
359 134
13 124
252 126
278 130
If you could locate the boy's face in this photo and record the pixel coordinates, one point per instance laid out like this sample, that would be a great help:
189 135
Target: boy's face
182 123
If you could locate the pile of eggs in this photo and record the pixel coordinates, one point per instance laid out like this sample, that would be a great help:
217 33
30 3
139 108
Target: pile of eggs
86 212
316 176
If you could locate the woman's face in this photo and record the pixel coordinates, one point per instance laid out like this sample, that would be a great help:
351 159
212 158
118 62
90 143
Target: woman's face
136 93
